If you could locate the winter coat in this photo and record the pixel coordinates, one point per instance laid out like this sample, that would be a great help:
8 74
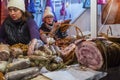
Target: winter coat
13 32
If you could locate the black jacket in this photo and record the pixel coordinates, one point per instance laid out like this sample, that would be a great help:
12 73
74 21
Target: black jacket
16 31
58 33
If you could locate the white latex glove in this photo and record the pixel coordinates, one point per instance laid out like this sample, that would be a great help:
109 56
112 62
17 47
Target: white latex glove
50 40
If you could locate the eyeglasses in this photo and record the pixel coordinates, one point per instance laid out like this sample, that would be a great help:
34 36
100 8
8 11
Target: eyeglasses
49 17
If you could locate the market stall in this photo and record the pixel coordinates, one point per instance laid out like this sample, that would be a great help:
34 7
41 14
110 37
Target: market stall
76 57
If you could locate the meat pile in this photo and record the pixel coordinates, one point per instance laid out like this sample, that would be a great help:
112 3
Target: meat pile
98 54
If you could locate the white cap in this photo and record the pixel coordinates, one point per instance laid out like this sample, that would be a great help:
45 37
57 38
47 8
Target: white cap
20 4
48 11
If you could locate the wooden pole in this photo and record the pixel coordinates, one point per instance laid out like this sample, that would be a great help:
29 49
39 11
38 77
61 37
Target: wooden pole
0 11
93 16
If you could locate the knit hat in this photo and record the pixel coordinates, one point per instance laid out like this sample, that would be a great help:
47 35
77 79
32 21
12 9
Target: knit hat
20 4
48 11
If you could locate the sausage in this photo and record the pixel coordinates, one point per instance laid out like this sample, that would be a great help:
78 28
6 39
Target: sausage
53 49
18 75
17 65
4 52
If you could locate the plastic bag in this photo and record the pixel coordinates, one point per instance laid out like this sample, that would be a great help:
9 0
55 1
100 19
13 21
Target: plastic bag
101 1
86 3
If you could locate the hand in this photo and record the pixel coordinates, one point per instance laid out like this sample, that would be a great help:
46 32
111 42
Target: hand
56 26
32 47
30 50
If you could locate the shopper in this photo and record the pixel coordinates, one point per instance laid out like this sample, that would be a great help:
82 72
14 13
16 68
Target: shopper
49 29
19 26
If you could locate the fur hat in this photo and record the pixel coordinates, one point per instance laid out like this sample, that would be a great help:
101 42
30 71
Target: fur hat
47 12
20 4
